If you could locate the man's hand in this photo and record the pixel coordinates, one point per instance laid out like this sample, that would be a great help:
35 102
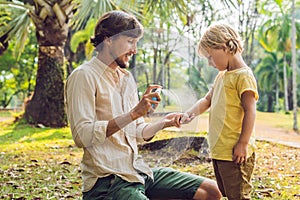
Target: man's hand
144 105
172 119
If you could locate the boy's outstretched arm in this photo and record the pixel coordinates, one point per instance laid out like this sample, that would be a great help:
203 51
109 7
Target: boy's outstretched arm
198 108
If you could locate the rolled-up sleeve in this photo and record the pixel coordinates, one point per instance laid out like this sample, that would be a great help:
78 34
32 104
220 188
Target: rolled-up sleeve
139 129
80 105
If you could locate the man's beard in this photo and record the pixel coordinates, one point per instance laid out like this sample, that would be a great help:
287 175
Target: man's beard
121 63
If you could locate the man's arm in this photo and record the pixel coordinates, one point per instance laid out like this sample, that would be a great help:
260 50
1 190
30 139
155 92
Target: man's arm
169 120
138 111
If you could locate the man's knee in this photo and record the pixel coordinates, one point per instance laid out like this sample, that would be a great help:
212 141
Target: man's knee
208 190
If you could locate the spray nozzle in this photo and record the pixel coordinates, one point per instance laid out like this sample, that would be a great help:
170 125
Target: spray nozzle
157 90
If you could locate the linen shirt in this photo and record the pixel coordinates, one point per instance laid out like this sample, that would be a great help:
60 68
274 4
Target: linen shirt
227 113
95 94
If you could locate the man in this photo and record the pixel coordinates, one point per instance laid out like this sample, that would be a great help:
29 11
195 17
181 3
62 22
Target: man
106 120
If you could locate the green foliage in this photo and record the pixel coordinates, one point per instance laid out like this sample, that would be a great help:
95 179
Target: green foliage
17 23
274 34
265 72
197 82
83 36
90 9
18 75
7 60
168 11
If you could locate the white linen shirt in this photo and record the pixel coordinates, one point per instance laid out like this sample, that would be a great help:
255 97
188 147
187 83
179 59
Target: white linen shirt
94 96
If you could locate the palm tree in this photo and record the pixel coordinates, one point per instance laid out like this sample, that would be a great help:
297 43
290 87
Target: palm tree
268 43
50 19
275 36
267 74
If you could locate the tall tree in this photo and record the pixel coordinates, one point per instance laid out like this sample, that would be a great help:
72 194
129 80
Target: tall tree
267 72
248 22
268 43
294 65
275 35
50 19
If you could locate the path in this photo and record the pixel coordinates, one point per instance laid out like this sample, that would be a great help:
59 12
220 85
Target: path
263 132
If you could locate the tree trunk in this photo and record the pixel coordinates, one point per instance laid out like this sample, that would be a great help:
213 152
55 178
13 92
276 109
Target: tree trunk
69 55
295 108
270 102
285 81
154 65
47 104
277 106
133 67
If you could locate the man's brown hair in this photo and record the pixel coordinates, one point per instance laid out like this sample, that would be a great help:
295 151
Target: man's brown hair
115 23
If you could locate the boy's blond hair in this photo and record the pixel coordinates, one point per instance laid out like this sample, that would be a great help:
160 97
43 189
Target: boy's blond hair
220 36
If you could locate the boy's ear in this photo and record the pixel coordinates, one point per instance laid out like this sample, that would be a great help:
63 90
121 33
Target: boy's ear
225 48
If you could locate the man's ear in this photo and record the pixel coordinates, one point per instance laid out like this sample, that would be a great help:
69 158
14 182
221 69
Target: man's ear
107 41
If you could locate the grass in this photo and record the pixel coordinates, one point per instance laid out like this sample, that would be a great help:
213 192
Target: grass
278 120
43 163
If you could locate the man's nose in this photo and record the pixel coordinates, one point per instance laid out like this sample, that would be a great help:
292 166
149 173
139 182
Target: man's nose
134 49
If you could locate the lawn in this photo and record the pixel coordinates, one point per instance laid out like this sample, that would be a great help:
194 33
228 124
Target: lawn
43 163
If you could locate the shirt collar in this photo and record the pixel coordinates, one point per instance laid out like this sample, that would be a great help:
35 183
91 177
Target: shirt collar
104 67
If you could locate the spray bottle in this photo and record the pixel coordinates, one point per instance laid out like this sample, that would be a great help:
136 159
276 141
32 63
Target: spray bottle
158 91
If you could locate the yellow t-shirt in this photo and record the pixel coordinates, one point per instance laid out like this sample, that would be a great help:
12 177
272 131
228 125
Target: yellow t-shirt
226 112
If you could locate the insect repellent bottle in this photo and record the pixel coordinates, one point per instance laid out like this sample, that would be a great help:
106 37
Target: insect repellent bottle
157 90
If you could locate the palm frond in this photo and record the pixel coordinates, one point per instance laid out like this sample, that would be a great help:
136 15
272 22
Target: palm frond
16 23
90 9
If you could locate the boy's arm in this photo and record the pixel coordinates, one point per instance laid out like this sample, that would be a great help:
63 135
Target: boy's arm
199 107
249 105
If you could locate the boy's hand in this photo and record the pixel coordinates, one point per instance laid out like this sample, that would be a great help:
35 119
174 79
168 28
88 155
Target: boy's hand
239 155
186 118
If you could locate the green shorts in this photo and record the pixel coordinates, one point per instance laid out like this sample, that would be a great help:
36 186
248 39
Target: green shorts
167 184
234 180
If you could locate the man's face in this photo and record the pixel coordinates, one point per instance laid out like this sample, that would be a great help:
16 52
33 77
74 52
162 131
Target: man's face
122 48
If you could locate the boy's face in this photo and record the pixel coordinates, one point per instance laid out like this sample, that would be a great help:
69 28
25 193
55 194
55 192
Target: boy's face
217 58
122 48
